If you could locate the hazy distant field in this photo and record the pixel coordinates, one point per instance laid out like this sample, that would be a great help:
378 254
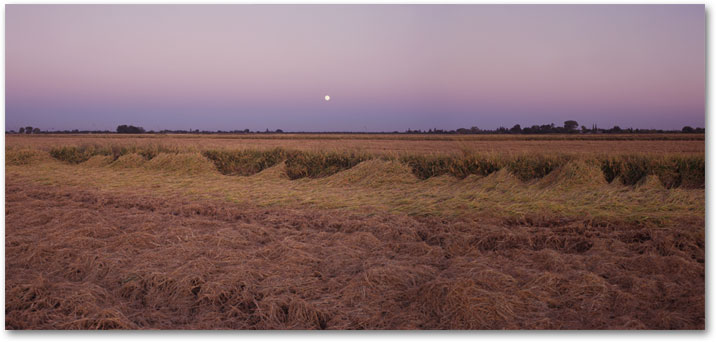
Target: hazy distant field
355 231
389 143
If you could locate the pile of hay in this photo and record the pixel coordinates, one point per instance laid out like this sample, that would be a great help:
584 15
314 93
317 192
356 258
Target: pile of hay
276 172
575 173
128 161
25 157
98 161
374 173
186 163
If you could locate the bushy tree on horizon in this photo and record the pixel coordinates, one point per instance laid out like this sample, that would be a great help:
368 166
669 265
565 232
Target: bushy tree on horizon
571 125
129 129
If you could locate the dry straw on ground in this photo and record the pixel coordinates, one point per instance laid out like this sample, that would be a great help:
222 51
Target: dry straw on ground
216 233
371 143
79 259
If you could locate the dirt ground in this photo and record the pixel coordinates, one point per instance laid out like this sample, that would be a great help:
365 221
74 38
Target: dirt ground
83 259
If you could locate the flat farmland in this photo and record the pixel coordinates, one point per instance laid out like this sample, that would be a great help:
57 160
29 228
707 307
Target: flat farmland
389 143
362 231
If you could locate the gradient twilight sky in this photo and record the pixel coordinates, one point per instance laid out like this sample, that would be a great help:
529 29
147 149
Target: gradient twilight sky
386 67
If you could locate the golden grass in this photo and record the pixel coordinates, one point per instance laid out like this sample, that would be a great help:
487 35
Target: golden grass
89 259
673 170
575 189
198 233
381 144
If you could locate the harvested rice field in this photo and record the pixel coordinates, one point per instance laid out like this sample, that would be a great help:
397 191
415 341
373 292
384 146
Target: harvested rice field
355 232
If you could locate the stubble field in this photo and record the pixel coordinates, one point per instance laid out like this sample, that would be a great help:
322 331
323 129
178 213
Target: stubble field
354 232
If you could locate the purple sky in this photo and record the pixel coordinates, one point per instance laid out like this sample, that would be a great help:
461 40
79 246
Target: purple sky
385 67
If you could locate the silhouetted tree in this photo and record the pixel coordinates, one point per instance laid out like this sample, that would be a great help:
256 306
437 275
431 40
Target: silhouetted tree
28 130
687 129
36 130
129 129
516 129
22 130
570 125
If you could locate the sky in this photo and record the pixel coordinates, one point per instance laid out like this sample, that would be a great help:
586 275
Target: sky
385 67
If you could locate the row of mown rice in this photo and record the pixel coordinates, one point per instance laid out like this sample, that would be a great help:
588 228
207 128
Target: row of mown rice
686 171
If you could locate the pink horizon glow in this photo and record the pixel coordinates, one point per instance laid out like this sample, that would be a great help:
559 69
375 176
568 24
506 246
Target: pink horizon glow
385 67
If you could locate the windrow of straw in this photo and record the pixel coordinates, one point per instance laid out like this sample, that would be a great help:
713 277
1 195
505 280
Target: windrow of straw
98 161
301 164
24 156
459 166
298 164
82 153
629 169
576 173
375 173
90 259
188 163
244 162
528 167
74 154
525 167
672 171
128 161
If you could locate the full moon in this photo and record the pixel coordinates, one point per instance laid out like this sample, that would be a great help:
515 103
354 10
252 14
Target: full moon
328 98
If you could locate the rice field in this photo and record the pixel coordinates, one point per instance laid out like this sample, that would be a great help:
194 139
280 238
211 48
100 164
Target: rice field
355 232
385 143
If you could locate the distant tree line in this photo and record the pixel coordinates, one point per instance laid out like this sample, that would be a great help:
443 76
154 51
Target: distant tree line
569 127
28 130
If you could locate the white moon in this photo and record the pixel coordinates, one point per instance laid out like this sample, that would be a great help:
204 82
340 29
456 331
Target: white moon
328 98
